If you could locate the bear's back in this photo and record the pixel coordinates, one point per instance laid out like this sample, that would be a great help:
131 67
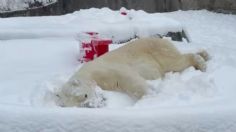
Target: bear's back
141 50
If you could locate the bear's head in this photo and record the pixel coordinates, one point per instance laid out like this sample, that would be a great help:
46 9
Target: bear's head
76 92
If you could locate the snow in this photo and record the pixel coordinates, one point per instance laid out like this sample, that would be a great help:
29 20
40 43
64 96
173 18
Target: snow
118 27
15 5
38 54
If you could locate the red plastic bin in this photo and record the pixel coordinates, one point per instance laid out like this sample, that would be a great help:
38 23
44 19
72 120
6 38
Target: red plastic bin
93 48
101 46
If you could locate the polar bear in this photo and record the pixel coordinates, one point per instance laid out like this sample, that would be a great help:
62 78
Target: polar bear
127 68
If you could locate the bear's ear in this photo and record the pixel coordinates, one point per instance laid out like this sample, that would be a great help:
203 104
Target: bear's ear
92 83
75 82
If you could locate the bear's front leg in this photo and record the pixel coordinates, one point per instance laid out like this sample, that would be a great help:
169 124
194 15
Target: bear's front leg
134 85
122 79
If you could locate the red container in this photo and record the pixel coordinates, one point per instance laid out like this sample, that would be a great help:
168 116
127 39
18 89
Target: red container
101 46
92 34
123 13
89 50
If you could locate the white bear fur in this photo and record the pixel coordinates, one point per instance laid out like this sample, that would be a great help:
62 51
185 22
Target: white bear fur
127 68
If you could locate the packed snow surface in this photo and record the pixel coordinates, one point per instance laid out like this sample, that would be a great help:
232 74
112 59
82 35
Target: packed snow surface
39 54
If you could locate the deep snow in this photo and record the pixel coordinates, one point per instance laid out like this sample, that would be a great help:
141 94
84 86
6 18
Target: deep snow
40 53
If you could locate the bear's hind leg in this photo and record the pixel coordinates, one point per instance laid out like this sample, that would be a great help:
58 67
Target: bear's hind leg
204 55
199 62
195 60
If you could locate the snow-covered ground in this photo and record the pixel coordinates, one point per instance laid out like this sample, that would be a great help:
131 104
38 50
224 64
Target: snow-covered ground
14 5
39 53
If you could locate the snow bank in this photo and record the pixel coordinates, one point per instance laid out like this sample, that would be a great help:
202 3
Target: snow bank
32 67
106 22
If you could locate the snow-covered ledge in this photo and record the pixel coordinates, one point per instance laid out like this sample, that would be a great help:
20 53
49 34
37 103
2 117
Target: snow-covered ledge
105 21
